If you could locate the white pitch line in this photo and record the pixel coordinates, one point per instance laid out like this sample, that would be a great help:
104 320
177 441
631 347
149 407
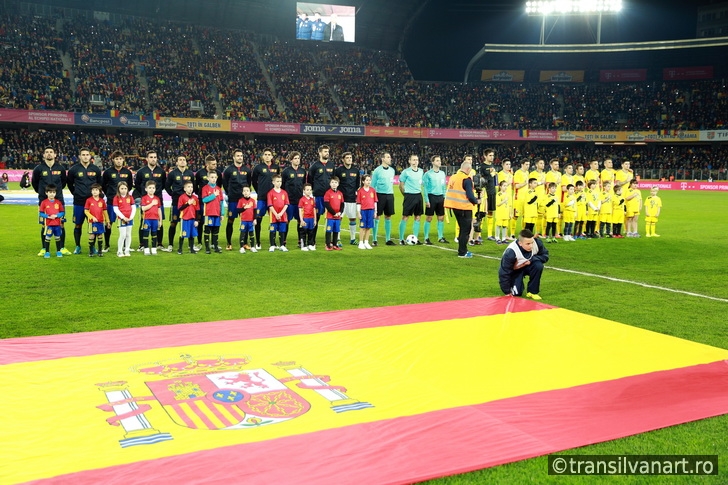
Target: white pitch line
609 278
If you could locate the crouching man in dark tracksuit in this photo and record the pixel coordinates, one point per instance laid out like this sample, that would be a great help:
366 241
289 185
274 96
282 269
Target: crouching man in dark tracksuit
524 257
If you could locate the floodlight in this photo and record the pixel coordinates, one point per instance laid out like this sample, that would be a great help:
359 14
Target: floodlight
572 7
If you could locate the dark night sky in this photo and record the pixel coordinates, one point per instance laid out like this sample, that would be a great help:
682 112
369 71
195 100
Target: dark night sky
448 33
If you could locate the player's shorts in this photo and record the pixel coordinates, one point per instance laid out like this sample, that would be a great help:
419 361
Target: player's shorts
278 226
333 225
232 211
110 211
188 228
569 217
53 232
632 213
412 205
650 219
437 205
320 206
292 212
367 219
385 204
96 228
261 209
212 221
151 225
491 202
530 220
502 222
129 223
247 226
173 213
349 210
308 223
79 214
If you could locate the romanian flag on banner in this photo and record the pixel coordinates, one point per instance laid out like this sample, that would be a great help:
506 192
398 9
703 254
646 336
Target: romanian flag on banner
382 395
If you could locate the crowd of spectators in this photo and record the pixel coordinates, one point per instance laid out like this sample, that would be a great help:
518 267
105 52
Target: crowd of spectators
230 59
144 66
31 70
103 64
22 148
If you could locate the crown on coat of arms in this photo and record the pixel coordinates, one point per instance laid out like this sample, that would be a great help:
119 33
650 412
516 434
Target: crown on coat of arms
189 365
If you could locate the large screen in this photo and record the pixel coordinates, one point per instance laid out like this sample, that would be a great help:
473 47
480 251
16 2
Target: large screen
325 23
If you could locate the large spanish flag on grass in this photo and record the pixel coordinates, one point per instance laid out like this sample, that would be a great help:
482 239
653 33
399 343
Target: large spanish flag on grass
381 395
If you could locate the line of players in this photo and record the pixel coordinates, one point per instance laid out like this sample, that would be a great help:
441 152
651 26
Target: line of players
542 200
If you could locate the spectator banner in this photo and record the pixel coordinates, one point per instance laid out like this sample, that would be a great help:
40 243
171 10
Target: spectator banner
686 73
36 116
308 129
502 76
561 77
124 121
394 132
712 186
627 136
622 75
263 127
198 124
714 135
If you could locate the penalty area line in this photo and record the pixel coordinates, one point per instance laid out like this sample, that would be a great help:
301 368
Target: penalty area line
609 278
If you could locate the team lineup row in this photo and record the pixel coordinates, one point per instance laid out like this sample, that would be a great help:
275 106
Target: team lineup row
553 196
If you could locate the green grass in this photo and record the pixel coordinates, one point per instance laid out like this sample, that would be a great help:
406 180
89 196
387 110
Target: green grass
78 294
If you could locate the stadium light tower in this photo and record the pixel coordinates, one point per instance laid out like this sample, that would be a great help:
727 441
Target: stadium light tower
545 8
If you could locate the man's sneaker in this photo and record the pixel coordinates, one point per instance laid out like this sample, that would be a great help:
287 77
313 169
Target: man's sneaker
242 250
366 245
361 245
105 250
338 248
147 252
77 250
257 246
253 250
533 296
192 251
428 242
207 251
352 242
304 248
401 242
418 243
390 243
42 252
375 243
179 251
218 249
154 251
272 249
229 247
312 247
284 249
491 238
46 255
443 241
329 248
466 255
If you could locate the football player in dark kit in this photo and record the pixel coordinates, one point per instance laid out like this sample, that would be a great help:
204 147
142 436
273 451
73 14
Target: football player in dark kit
175 187
81 177
110 179
50 172
262 179
319 175
151 171
349 182
293 179
235 176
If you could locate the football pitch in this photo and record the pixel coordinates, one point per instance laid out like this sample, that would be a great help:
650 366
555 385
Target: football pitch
672 285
